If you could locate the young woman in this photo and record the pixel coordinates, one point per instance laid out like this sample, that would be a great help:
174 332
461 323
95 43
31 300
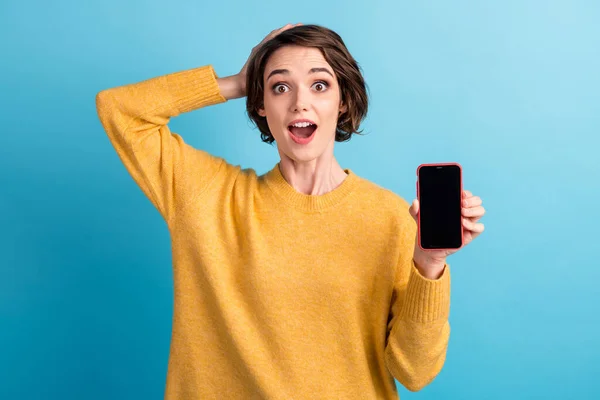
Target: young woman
301 283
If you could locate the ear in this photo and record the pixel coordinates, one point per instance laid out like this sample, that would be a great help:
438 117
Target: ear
261 112
343 108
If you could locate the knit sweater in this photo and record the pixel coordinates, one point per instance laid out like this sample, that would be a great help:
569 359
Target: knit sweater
277 294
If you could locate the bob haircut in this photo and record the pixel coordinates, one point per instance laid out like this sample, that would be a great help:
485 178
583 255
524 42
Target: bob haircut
350 80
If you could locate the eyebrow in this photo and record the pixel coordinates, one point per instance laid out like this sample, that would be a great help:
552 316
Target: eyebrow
311 71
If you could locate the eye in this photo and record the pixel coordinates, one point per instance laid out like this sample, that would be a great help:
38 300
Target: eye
321 86
279 88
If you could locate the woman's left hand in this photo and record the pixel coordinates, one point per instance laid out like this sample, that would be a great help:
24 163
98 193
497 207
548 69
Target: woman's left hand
431 262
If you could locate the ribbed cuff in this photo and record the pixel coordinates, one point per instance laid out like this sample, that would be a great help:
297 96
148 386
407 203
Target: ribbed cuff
427 299
195 88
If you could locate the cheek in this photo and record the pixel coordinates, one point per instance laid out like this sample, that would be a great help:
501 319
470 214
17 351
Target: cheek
274 107
328 110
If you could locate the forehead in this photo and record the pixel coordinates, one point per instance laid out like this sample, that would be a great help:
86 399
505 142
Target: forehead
296 59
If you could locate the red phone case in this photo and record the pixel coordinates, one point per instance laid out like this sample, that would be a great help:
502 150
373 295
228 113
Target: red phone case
462 239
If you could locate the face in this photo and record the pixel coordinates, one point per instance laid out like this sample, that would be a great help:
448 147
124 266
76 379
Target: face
301 85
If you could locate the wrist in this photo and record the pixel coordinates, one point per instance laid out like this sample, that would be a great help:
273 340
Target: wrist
430 269
233 86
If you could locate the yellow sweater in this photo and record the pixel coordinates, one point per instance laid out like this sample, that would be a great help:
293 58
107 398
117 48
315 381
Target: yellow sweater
278 294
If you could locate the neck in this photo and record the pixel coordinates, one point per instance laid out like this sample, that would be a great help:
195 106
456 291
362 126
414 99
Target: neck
315 177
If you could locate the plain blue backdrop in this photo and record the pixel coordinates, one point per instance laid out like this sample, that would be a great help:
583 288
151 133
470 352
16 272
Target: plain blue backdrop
511 90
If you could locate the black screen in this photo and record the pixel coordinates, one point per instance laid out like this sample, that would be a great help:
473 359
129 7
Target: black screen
440 206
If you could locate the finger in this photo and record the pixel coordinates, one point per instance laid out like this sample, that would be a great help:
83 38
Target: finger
278 31
474 219
477 212
475 227
284 28
271 35
467 194
414 208
473 201
275 32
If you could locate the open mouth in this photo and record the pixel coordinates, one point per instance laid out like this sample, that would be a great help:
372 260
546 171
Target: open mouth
303 132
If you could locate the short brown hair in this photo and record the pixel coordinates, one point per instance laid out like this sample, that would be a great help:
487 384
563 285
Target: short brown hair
352 84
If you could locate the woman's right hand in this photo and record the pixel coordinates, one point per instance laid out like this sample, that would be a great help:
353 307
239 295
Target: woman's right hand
234 86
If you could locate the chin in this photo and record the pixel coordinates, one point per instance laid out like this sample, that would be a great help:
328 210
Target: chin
316 149
304 154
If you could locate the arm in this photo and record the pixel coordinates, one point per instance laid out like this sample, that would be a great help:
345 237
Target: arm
418 328
232 87
135 118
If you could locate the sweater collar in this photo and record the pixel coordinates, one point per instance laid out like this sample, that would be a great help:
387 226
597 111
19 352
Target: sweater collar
306 202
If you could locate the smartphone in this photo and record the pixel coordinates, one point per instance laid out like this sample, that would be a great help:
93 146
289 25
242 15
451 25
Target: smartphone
439 191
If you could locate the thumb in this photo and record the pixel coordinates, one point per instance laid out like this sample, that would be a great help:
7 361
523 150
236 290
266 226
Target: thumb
414 208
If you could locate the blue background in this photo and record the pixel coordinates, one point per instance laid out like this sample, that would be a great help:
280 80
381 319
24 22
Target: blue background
508 89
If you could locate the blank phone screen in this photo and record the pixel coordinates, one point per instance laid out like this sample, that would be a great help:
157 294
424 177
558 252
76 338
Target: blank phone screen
440 206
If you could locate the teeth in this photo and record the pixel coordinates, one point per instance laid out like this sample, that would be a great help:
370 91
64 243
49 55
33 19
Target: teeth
302 124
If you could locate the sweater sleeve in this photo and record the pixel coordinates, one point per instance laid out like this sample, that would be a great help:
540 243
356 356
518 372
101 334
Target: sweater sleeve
418 330
135 118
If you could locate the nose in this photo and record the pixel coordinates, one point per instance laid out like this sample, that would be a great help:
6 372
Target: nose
300 101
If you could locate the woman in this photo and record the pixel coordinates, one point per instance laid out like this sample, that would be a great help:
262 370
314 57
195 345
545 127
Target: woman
301 283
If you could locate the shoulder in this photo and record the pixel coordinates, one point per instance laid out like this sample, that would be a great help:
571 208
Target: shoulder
385 205
385 199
